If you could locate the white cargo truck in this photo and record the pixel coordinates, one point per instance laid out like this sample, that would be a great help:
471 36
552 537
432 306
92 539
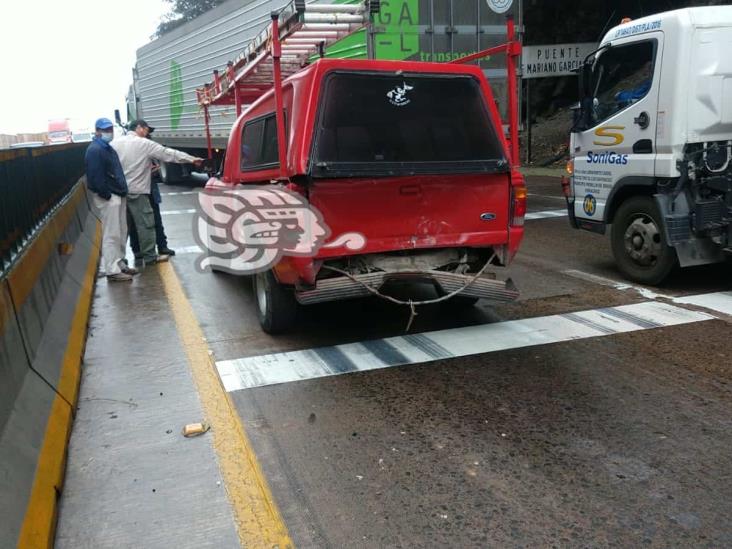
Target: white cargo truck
651 148
168 71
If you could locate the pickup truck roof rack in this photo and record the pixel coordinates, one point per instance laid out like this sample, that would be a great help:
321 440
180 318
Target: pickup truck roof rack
303 29
298 31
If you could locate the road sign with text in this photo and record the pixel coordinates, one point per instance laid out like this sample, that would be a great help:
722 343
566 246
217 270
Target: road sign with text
554 60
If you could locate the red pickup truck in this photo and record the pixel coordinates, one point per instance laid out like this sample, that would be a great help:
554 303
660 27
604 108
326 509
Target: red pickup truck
408 159
425 178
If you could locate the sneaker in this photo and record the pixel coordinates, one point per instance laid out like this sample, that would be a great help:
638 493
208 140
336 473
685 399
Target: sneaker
130 271
166 251
119 277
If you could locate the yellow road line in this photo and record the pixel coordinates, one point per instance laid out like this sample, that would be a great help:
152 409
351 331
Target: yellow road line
258 519
39 524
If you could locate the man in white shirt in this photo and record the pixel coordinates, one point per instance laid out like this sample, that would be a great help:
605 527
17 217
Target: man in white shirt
135 153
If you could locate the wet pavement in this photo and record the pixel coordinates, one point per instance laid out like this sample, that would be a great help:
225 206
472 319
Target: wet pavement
611 440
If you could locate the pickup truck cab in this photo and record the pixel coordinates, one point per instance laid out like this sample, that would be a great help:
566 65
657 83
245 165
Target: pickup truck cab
409 156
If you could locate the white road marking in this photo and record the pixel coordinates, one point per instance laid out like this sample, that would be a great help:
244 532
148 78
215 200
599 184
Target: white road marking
718 301
177 212
617 284
188 250
546 214
178 193
258 371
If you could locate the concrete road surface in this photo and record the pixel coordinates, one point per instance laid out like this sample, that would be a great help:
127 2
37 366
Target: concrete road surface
590 413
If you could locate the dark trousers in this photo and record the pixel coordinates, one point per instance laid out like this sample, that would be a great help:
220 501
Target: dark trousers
160 239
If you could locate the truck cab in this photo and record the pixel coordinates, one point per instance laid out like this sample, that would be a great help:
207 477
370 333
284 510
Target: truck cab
59 131
408 156
651 145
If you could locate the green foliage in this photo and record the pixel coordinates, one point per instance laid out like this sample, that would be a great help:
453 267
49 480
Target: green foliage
183 11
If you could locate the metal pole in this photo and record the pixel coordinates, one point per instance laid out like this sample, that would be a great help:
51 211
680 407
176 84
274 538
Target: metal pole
513 51
208 132
237 99
528 120
370 42
280 115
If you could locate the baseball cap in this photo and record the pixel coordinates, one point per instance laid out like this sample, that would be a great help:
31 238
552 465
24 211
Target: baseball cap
133 125
103 124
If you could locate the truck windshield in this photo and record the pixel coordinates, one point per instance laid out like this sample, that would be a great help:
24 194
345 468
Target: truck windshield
621 76
387 124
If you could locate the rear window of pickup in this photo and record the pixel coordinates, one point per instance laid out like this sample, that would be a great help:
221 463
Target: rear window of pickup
390 124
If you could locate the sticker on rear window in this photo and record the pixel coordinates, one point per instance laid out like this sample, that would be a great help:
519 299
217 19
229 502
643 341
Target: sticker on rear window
398 96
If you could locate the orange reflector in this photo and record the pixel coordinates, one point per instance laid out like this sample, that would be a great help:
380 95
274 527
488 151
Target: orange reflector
518 206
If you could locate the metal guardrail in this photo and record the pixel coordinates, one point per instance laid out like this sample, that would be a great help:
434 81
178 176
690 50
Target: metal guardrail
33 181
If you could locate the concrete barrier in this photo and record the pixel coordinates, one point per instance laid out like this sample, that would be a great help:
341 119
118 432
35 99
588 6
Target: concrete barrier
45 301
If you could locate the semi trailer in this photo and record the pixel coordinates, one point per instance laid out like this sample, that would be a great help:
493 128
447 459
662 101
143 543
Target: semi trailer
169 69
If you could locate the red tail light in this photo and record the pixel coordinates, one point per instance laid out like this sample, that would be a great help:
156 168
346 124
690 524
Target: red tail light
566 187
518 205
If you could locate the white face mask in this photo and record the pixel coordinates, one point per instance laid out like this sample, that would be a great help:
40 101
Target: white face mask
107 137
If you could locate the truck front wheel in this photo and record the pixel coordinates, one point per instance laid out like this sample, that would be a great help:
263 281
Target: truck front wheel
639 243
276 307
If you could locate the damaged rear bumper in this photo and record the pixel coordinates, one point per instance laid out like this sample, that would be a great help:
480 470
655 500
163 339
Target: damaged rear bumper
343 287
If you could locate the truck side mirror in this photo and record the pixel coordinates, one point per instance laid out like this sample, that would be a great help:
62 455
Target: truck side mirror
585 78
582 115
576 114
117 117
582 111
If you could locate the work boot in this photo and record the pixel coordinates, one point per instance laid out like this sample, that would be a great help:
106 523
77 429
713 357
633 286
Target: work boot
119 277
166 251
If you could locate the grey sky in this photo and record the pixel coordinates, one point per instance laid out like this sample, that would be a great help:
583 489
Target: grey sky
70 58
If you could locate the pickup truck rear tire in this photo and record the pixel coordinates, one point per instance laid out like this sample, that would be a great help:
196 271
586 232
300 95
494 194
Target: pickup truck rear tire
639 243
276 306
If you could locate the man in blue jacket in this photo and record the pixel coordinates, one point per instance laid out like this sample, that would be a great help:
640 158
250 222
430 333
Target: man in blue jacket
106 181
